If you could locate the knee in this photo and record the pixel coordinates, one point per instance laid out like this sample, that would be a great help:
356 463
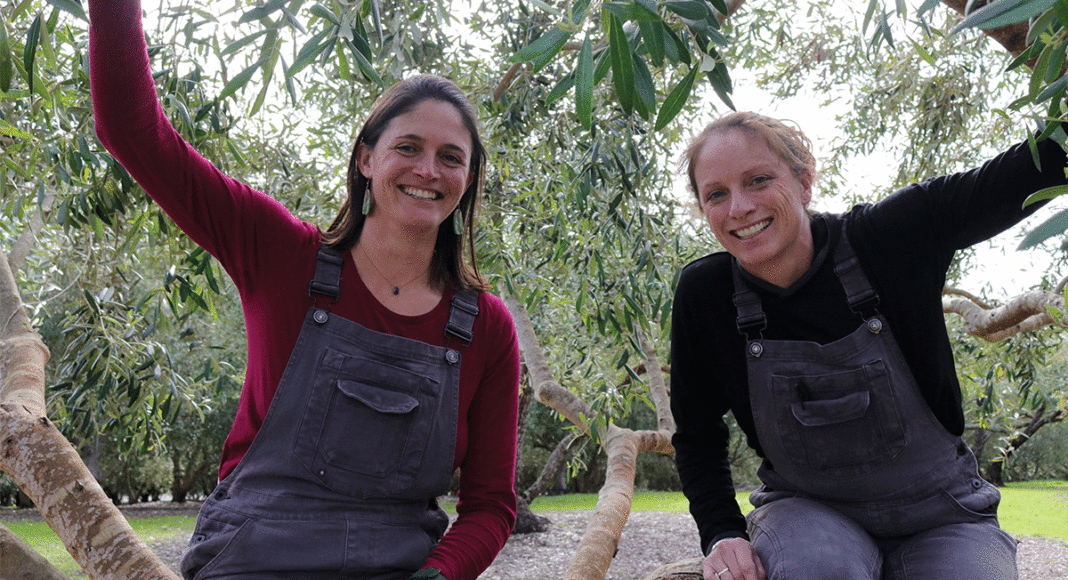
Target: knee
815 563
803 540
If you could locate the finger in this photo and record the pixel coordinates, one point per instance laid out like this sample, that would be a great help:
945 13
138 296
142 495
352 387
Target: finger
731 565
712 564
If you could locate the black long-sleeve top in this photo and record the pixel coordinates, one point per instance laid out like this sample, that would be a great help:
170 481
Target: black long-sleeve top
905 244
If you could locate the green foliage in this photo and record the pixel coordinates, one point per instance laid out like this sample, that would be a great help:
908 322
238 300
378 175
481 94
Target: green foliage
1045 456
672 34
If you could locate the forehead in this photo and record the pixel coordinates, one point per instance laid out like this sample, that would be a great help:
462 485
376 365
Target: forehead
433 121
731 152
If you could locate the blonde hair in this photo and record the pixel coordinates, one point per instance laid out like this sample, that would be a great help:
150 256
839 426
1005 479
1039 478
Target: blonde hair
787 141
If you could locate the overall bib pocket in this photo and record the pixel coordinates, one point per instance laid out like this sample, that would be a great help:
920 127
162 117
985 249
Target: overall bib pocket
843 424
366 425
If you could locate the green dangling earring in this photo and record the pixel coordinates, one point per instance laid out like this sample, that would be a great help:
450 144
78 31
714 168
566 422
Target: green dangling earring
366 208
458 222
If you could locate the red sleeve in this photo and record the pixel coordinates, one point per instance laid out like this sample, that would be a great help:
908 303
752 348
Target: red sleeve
487 504
227 218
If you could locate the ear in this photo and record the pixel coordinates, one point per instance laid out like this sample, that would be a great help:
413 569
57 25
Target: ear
806 188
470 180
364 155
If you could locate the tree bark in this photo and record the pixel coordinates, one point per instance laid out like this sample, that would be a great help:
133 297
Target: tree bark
47 467
19 562
1028 311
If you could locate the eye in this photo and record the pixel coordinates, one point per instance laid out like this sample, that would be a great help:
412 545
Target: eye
405 148
761 180
452 159
714 195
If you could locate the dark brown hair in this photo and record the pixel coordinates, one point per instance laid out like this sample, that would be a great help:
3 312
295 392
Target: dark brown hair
448 267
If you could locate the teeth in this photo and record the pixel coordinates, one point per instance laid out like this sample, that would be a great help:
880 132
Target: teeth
752 230
419 193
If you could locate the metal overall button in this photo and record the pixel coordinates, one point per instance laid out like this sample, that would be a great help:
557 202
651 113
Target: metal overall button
452 357
756 349
320 316
875 325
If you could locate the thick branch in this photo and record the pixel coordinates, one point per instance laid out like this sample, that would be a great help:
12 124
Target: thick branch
658 390
1027 311
22 354
950 290
605 526
20 562
28 238
546 389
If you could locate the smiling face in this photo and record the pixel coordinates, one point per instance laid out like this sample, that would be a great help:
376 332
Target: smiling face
755 205
419 167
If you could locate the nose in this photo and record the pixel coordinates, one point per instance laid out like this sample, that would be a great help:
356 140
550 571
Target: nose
426 166
740 204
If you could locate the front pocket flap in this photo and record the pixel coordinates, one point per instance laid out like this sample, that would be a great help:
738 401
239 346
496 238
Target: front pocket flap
379 399
832 411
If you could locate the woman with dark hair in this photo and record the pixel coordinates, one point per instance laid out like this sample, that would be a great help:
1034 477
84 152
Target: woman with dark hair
824 335
377 362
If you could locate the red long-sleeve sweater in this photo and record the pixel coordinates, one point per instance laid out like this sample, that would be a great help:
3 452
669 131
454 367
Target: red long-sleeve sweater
270 255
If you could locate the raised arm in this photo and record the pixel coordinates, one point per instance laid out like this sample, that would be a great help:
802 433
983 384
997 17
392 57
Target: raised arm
223 215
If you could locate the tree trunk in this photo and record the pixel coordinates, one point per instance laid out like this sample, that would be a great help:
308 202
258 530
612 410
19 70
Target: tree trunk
47 467
550 473
526 521
995 470
19 562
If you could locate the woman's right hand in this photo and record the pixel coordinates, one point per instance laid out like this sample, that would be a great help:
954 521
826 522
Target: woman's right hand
733 559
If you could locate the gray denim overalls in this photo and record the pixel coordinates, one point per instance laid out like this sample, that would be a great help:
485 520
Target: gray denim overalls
844 426
341 479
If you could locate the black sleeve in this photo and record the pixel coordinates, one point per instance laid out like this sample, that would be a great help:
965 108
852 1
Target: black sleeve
932 220
699 399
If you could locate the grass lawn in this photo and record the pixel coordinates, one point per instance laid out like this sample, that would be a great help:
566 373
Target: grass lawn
1033 508
46 542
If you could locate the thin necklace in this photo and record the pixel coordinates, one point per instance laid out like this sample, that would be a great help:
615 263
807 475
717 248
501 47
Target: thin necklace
396 287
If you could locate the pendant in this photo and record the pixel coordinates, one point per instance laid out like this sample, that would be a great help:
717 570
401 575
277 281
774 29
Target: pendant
396 290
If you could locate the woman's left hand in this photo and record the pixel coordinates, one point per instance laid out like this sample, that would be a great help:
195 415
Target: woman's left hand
733 559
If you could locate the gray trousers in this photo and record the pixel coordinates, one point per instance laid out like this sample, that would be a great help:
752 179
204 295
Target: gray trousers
803 539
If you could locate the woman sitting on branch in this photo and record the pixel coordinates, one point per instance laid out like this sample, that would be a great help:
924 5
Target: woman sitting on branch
824 335
377 362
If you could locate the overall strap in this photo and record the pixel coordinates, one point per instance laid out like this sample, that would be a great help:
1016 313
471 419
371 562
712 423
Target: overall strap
751 318
327 280
462 315
859 292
